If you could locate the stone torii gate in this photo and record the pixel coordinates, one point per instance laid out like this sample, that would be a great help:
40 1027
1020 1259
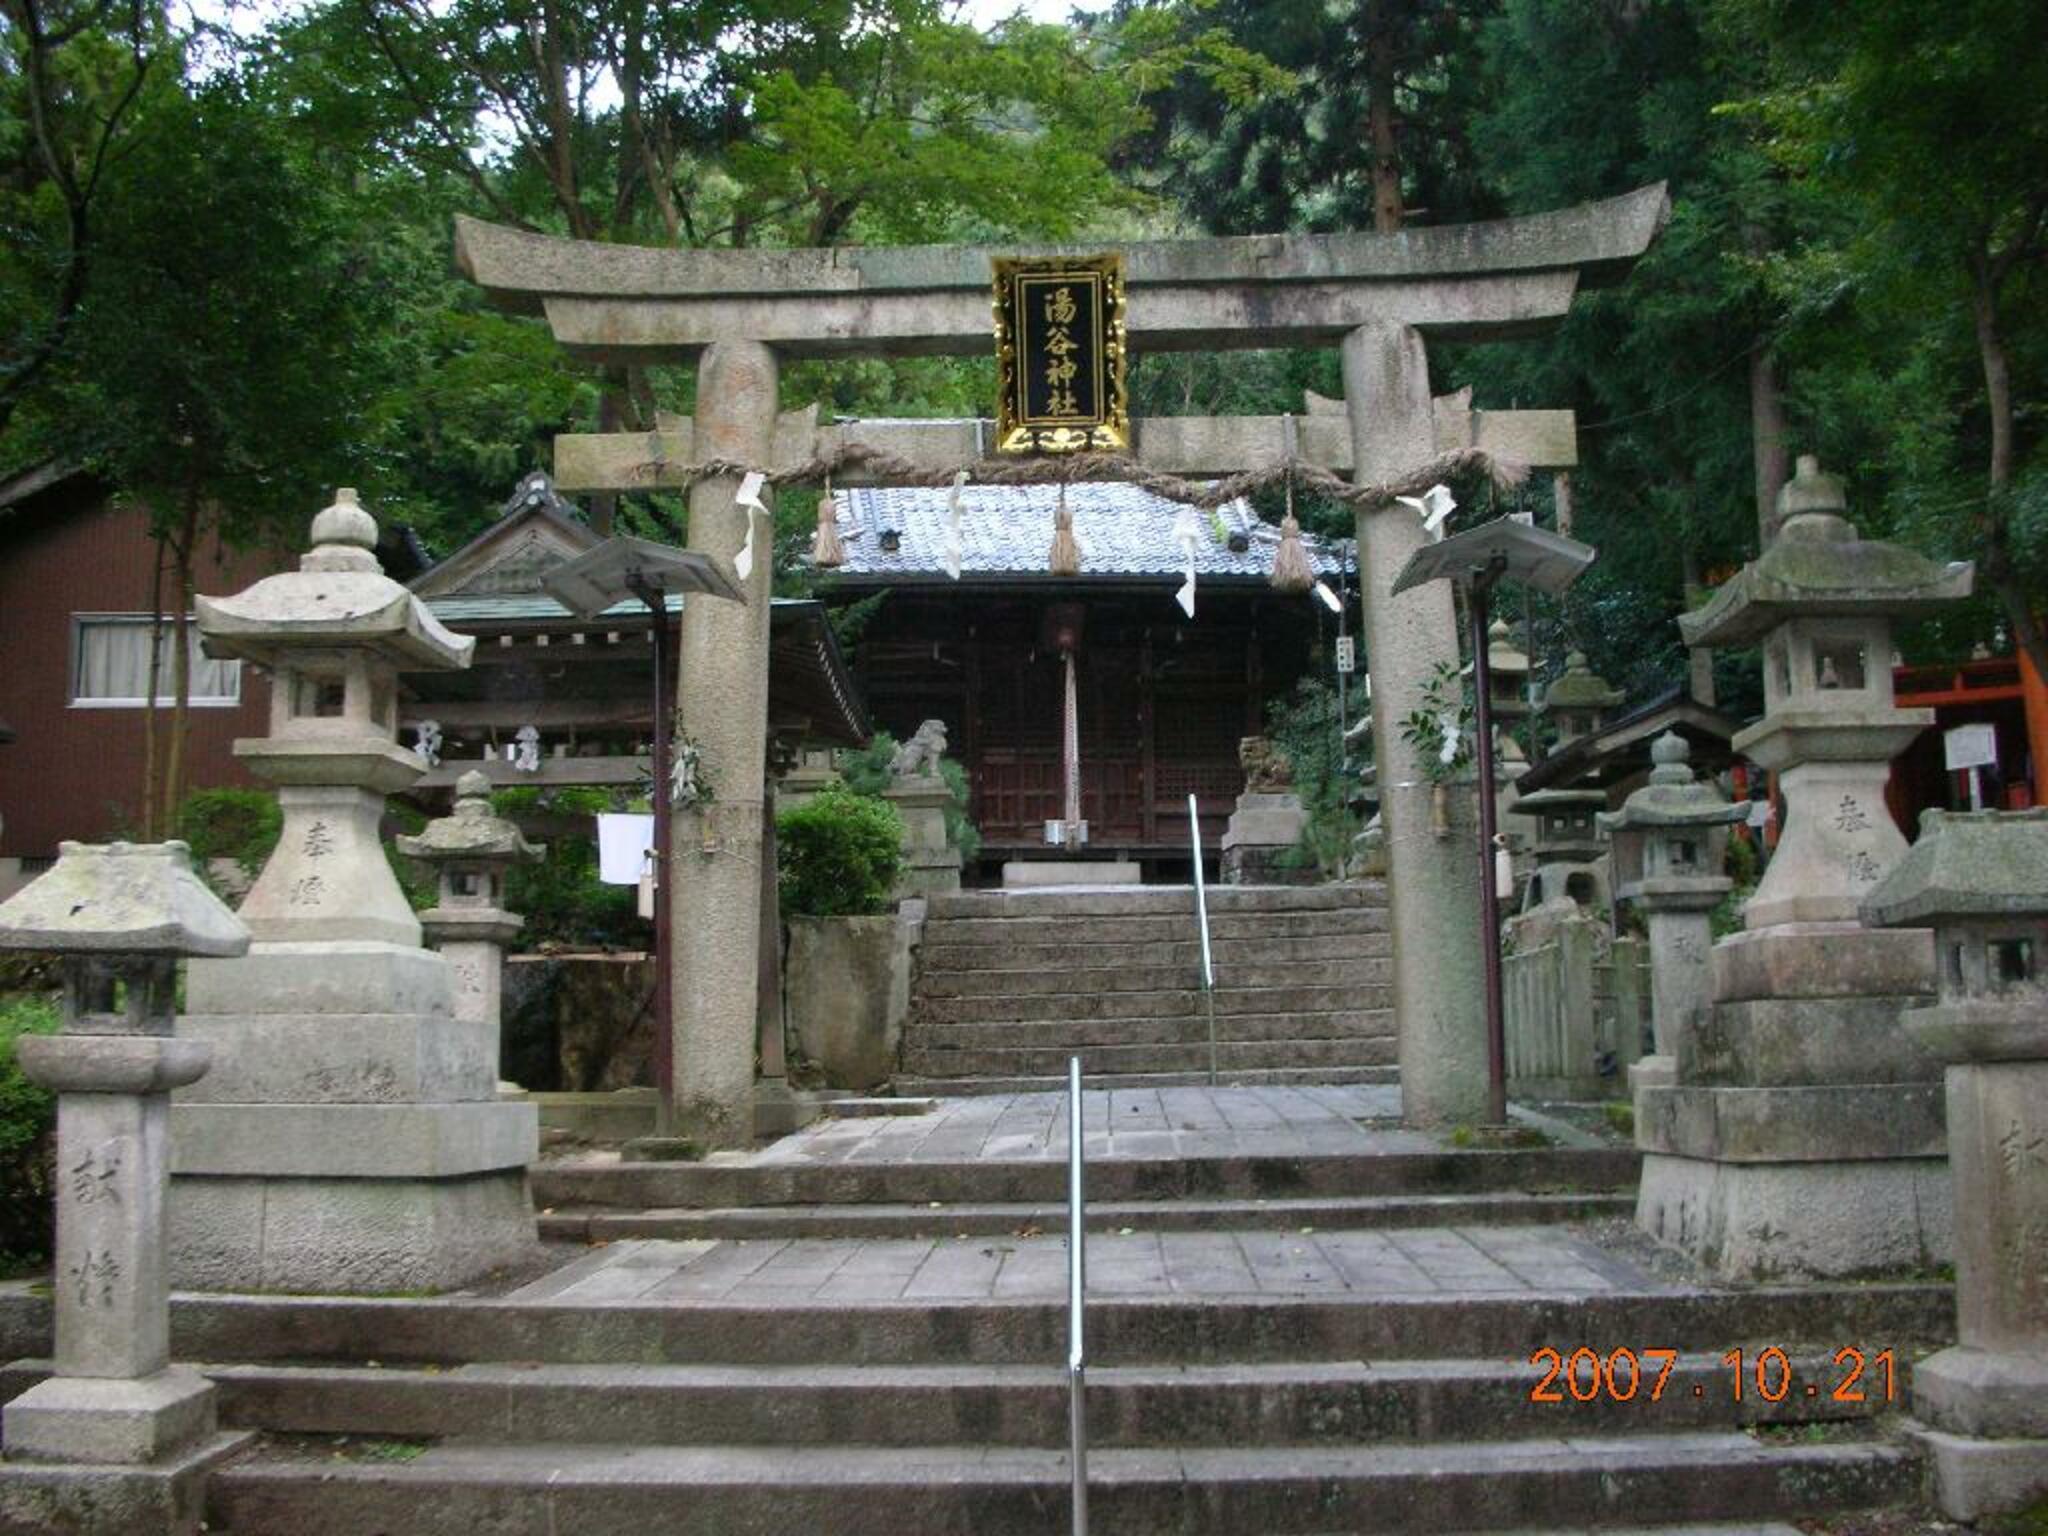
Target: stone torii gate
1379 298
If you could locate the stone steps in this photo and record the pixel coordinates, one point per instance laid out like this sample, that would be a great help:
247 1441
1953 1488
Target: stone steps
1336 1024
1158 900
944 954
940 1219
1175 1329
728 1490
1335 1403
938 1062
1335 924
1115 976
1186 1002
1042 1181
910 1082
1080 972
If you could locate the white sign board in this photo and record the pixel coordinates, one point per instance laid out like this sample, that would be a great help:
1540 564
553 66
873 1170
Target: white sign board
1347 654
1970 746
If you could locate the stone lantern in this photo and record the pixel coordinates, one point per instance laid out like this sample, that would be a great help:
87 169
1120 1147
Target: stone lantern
120 917
1568 844
1577 700
1981 880
1669 838
472 851
1803 1136
350 1137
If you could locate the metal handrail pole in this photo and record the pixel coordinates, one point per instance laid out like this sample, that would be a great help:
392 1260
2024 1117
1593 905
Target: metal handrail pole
1202 921
1077 1285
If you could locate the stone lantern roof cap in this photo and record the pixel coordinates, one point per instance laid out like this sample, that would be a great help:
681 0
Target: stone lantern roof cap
1502 654
121 899
471 830
1673 797
338 599
1818 567
1985 864
1580 687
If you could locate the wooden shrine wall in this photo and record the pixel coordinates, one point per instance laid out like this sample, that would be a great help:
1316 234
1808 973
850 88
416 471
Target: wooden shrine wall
1162 701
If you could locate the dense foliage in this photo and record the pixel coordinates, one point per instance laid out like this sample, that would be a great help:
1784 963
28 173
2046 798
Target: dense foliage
838 855
225 280
28 1120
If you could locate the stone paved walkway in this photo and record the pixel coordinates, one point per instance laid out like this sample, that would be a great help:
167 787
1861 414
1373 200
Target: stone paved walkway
1425 1261
1311 1120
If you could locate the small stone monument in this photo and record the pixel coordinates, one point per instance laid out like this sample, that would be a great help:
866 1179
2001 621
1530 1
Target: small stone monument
1669 838
1268 821
1803 1136
349 1137
472 851
1981 880
114 1440
931 864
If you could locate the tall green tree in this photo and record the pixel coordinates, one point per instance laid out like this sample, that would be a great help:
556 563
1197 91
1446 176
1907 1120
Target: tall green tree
1929 126
228 344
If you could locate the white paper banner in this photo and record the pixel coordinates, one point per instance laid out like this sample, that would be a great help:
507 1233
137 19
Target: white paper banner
1187 532
950 550
749 496
624 840
1432 506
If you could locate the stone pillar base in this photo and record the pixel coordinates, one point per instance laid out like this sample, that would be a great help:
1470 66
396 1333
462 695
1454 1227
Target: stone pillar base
1772 1221
165 1498
1260 841
349 1236
1974 1477
110 1420
1651 1072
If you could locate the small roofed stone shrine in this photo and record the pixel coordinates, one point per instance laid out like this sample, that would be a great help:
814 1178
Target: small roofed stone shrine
120 917
349 1138
1800 1093
1980 880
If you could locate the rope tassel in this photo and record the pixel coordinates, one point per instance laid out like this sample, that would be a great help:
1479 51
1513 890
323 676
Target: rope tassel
1291 572
1065 559
827 551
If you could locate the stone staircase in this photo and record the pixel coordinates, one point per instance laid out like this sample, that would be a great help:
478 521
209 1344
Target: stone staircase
1356 1362
1010 984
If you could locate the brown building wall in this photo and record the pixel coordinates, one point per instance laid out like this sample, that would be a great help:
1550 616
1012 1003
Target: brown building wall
76 772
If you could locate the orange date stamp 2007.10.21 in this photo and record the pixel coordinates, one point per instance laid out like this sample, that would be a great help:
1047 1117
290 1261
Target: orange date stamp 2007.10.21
1643 1375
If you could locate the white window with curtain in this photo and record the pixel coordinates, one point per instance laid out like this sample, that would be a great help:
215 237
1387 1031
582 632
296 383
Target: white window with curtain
110 665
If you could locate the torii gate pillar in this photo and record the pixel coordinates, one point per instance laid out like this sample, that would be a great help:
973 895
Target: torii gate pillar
1432 882
714 855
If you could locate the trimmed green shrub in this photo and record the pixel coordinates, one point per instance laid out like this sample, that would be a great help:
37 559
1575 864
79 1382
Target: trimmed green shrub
838 855
28 1120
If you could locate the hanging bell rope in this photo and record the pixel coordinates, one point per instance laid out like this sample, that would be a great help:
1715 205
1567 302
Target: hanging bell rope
1065 559
827 551
1291 571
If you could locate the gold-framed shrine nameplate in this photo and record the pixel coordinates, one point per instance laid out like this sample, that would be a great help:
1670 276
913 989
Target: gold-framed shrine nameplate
1060 354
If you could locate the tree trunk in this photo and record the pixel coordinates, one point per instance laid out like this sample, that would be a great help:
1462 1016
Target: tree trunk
1380 58
151 784
1767 437
2019 603
181 658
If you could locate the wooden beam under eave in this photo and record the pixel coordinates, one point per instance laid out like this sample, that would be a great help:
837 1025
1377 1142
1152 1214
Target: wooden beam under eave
1180 445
